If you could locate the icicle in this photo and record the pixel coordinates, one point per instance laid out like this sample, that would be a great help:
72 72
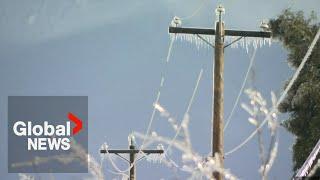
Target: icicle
242 42
255 43
247 45
202 41
162 81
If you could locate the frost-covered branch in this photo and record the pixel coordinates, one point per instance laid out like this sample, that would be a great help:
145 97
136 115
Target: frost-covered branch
196 165
200 167
78 153
258 110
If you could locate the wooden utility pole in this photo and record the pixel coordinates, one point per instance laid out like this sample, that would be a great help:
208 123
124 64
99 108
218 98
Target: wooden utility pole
220 33
217 132
132 151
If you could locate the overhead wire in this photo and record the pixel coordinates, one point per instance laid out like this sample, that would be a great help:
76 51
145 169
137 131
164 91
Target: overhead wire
195 12
252 58
153 111
191 100
162 82
187 110
159 91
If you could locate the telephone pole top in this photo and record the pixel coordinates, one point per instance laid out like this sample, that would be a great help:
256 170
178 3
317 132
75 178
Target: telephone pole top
132 151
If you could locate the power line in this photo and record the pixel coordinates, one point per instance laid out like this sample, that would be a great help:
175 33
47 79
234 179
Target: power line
195 12
187 111
159 91
241 89
162 80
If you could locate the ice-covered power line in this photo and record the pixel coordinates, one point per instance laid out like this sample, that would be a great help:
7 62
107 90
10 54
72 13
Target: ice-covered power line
241 89
162 80
187 111
284 94
194 92
164 113
193 163
159 91
303 171
196 11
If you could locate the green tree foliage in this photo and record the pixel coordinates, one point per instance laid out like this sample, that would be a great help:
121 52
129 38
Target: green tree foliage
296 32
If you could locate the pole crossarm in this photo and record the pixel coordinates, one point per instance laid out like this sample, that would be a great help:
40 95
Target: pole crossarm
129 151
132 151
227 32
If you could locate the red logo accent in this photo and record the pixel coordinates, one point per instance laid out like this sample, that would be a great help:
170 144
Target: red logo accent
77 121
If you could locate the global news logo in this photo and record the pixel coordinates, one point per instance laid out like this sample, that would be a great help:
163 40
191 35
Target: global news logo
56 136
44 131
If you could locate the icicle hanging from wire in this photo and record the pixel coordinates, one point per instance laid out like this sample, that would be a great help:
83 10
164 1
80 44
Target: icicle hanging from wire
204 41
244 42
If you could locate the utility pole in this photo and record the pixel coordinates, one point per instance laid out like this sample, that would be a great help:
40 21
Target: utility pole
220 33
132 151
217 132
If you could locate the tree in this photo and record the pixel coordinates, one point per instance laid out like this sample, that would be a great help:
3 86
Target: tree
302 103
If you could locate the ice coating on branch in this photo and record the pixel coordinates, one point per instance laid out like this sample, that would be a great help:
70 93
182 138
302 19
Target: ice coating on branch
199 167
162 110
23 176
258 108
77 154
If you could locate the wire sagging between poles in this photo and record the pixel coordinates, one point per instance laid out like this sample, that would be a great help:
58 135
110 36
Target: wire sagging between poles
153 111
187 111
159 92
196 11
241 89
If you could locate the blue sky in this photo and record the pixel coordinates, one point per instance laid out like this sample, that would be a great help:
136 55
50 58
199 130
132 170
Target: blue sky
113 52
